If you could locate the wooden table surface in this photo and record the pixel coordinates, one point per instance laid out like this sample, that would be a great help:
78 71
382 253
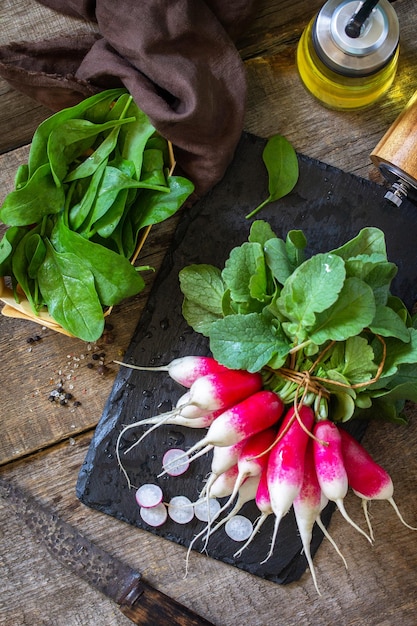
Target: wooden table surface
43 445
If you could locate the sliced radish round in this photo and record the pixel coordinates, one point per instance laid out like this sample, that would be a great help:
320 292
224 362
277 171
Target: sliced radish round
239 528
156 516
174 462
149 495
180 509
205 511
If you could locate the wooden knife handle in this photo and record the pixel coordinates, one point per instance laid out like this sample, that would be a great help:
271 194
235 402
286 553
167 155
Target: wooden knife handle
169 612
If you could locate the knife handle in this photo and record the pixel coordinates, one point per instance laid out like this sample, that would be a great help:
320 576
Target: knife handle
169 612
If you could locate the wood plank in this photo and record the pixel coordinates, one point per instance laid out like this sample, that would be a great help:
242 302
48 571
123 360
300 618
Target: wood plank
28 21
278 103
35 369
376 590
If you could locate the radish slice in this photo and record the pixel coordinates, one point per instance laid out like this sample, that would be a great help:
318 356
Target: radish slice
149 495
174 462
180 509
239 528
206 510
155 516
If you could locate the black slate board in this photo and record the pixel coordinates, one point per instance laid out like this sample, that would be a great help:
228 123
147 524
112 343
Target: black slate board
330 206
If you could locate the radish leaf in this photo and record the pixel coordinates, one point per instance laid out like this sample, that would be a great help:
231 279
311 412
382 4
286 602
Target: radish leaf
246 342
312 288
348 316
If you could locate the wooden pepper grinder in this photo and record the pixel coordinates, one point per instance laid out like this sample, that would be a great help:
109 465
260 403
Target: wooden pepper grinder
396 155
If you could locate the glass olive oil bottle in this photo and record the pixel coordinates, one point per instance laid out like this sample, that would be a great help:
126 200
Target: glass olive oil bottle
347 56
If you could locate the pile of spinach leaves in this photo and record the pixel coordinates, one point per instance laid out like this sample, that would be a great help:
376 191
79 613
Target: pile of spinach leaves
271 309
97 175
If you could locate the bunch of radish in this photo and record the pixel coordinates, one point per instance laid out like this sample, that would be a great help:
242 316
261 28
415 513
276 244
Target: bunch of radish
278 455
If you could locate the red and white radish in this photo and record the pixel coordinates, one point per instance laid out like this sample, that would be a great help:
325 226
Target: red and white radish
257 412
368 480
286 463
184 370
330 467
307 505
208 393
253 458
263 502
223 458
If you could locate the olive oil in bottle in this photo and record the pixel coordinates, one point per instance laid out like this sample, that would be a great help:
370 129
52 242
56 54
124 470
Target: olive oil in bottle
347 56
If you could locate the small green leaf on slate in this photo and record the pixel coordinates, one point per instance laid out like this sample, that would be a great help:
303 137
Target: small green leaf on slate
281 163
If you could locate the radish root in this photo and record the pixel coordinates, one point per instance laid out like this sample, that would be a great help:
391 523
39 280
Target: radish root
343 511
330 538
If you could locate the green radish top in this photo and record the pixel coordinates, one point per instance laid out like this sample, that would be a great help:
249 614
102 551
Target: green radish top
330 317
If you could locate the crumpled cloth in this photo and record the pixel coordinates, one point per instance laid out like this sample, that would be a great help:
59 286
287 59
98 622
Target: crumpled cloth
177 58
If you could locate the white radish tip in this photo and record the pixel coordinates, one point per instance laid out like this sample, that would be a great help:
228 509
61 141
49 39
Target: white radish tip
396 509
341 507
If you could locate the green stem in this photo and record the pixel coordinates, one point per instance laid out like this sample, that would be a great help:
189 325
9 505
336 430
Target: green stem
300 346
258 208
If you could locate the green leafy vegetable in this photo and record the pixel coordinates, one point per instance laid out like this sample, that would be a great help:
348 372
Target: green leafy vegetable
330 317
281 163
97 175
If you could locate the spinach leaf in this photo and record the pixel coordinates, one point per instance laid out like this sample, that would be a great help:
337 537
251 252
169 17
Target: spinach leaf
134 137
105 193
20 268
68 288
70 140
97 174
31 202
88 190
153 167
115 277
8 244
99 103
281 163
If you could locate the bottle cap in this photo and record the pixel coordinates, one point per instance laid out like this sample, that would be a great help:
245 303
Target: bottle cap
355 56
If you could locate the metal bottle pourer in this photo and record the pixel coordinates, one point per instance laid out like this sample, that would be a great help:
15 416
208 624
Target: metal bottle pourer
347 55
396 155
356 39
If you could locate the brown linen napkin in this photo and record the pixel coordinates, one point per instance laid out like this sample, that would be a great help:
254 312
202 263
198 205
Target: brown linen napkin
176 57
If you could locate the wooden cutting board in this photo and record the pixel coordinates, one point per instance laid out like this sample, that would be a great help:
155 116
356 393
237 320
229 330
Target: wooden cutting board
330 206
